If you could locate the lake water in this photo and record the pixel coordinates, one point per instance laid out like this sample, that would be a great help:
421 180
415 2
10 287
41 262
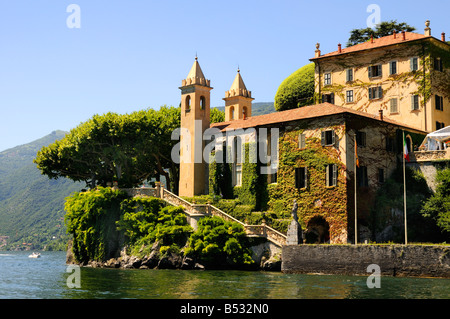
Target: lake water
46 277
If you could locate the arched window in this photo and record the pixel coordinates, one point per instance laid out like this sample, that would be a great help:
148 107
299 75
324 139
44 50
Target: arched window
232 112
188 103
202 103
244 112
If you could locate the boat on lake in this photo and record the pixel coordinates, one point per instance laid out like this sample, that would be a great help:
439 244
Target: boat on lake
35 255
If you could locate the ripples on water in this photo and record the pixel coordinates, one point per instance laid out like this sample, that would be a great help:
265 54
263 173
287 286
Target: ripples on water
45 277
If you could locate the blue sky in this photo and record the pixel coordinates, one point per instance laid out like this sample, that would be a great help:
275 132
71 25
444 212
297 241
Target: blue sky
131 55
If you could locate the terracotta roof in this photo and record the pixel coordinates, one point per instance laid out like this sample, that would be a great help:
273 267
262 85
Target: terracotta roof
377 43
305 112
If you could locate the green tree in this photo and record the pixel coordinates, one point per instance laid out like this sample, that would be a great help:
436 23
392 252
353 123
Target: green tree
296 90
129 149
216 115
383 29
437 207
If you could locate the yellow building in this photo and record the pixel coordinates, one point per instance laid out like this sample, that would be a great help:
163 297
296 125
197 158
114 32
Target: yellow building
406 75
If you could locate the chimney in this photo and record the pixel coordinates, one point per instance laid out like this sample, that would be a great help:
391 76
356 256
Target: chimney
427 29
443 36
371 38
317 52
395 34
381 114
403 35
339 48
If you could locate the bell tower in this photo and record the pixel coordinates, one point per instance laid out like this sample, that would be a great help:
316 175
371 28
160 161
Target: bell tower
238 100
195 106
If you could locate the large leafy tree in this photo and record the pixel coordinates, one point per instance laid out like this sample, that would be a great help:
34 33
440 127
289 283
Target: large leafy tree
383 29
129 149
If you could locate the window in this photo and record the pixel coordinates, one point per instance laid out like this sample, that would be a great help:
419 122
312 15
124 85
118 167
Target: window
188 103
439 102
331 175
349 75
375 93
327 79
375 71
232 112
414 102
414 63
392 67
328 98
244 112
361 138
381 175
301 177
390 146
439 125
349 96
301 141
238 175
202 103
361 175
438 64
393 105
328 138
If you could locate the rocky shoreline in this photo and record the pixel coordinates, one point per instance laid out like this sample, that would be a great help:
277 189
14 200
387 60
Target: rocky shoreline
168 260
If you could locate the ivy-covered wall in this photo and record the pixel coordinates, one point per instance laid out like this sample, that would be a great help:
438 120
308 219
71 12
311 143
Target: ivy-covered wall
317 199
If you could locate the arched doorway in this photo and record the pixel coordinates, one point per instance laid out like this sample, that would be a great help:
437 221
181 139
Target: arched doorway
317 231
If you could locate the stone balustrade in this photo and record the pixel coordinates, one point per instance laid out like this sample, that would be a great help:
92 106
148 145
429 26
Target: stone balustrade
194 212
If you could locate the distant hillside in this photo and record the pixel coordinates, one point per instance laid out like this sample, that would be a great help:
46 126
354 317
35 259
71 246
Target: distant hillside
258 108
31 205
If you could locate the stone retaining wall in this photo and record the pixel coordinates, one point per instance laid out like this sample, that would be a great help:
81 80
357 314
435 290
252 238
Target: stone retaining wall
393 260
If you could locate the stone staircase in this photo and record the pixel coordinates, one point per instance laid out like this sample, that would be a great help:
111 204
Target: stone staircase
194 212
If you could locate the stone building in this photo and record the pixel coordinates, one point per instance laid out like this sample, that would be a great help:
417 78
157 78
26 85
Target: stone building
369 94
405 74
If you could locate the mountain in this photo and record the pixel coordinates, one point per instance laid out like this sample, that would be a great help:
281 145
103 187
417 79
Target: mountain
31 205
258 108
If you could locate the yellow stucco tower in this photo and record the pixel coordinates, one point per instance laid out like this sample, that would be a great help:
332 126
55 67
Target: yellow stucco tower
195 108
238 100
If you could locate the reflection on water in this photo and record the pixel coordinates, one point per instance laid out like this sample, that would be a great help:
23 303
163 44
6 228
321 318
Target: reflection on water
46 277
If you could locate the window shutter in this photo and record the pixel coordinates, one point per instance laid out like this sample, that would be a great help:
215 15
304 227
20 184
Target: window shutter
333 137
332 98
380 92
306 177
323 138
379 70
411 64
412 102
301 141
334 174
323 98
370 94
369 69
327 173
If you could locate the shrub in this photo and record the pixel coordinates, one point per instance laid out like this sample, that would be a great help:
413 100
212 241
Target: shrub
91 220
296 90
219 242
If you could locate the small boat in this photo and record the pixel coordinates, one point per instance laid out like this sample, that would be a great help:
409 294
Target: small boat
35 255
